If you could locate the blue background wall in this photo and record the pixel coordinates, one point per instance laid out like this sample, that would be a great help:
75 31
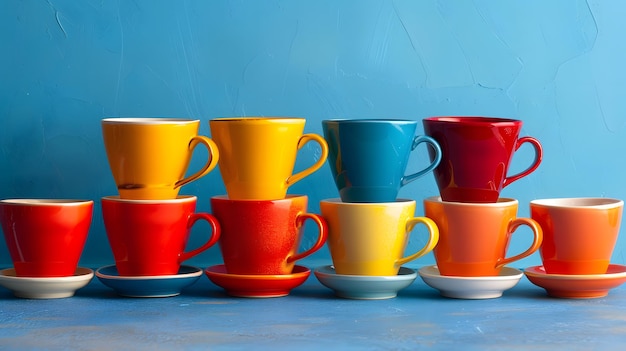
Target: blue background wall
65 65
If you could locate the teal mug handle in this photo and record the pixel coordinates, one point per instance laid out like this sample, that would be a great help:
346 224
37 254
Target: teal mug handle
435 162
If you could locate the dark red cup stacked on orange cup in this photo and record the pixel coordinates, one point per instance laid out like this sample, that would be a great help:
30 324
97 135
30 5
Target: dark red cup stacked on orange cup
474 221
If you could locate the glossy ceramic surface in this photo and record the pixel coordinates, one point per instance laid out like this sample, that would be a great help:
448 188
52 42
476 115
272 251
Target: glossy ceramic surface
263 236
257 286
368 157
363 287
45 237
150 156
148 286
476 153
471 287
474 237
149 237
579 233
370 238
258 154
576 286
45 288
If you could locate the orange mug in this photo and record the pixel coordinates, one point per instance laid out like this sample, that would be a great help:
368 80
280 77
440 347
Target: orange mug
474 237
580 233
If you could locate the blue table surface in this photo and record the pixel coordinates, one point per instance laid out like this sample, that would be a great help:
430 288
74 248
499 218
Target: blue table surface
203 317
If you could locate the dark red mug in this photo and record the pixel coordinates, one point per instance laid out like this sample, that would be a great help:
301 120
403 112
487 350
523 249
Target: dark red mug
263 236
148 237
476 153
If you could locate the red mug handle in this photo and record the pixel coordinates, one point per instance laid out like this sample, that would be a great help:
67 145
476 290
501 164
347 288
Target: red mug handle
321 238
215 234
538 157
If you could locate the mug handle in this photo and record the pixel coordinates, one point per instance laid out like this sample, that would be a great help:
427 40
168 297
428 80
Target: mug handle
215 234
321 238
538 157
305 138
433 238
537 239
214 156
435 162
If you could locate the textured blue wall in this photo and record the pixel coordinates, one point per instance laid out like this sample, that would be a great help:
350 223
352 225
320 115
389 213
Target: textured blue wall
557 65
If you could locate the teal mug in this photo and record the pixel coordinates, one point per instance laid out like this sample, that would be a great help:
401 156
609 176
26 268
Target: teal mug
368 158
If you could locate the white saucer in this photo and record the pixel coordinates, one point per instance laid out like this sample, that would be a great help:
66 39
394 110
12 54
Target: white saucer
45 288
489 287
365 287
575 286
148 286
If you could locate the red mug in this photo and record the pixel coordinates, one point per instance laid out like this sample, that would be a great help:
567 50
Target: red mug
148 237
476 153
45 237
263 236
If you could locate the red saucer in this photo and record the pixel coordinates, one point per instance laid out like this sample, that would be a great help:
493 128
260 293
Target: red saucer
577 286
249 285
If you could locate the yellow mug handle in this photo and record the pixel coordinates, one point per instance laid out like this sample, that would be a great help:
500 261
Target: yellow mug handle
433 238
214 156
304 139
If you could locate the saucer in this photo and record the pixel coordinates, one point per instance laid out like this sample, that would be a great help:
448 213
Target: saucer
148 286
577 286
251 285
488 287
365 287
45 288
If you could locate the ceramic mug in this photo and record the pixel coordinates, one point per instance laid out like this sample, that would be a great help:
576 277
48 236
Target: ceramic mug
474 237
150 156
579 233
263 236
148 237
258 154
45 237
370 238
476 153
368 157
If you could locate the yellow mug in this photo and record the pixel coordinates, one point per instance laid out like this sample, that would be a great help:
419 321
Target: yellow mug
370 238
258 155
150 156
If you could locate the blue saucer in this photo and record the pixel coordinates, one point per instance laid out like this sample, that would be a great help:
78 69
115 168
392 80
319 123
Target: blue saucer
148 286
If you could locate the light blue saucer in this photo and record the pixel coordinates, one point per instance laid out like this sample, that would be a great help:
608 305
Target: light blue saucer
148 286
365 287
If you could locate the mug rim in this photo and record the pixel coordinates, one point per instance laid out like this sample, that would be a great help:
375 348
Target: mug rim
149 120
473 120
178 199
252 119
578 202
502 201
288 197
339 202
45 202
369 120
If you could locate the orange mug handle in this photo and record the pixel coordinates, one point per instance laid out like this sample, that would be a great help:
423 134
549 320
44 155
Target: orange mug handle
214 156
304 139
537 239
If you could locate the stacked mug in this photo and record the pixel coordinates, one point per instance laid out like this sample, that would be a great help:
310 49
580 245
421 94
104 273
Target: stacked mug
369 226
474 221
262 226
148 223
